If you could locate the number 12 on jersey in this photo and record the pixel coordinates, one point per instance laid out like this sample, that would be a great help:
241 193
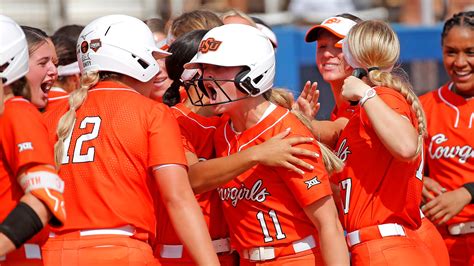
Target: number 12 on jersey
279 233
77 157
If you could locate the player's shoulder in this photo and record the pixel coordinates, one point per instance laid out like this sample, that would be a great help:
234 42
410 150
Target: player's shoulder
17 107
430 98
284 119
389 93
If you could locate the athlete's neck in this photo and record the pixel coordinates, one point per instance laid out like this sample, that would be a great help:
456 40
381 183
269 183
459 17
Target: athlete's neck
336 88
7 93
465 95
250 114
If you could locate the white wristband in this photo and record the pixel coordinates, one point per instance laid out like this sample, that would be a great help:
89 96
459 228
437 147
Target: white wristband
370 93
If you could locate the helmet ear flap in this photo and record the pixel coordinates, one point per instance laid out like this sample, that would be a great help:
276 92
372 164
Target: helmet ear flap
245 84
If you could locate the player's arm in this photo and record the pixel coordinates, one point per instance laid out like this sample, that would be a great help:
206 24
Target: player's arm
42 203
396 132
328 132
185 213
448 204
323 214
277 152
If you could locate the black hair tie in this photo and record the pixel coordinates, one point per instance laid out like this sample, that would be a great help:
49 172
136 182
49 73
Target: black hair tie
373 68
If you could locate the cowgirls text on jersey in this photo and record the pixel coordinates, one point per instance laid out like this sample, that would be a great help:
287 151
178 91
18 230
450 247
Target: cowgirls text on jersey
463 152
343 150
255 193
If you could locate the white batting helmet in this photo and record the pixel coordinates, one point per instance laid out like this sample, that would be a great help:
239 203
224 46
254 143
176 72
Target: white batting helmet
13 51
120 44
239 45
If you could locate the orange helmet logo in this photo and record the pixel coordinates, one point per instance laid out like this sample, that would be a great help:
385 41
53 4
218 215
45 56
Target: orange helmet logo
209 44
333 20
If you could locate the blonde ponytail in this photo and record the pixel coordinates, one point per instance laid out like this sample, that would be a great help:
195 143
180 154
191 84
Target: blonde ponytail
66 122
284 99
373 43
397 83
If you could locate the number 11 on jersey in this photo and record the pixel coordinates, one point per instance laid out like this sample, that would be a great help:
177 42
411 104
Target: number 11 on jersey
279 233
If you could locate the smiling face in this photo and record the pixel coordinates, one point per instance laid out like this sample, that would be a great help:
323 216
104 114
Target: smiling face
330 59
458 59
161 82
42 72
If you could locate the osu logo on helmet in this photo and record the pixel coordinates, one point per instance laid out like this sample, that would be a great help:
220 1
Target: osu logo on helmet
209 44
333 20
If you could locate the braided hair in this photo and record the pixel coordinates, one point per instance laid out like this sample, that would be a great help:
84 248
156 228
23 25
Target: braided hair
375 45
461 19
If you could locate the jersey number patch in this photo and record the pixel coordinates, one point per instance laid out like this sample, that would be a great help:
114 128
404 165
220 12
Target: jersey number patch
77 157
346 185
279 233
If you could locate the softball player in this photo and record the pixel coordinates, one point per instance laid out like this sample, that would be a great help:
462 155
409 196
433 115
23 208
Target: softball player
197 132
64 40
449 147
31 191
42 65
381 144
276 216
334 69
116 149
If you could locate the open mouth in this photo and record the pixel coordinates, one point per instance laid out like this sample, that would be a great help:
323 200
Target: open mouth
46 86
211 92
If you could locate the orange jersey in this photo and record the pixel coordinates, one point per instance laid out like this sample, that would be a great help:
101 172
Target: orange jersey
450 142
264 205
375 187
198 136
23 141
345 110
117 137
56 94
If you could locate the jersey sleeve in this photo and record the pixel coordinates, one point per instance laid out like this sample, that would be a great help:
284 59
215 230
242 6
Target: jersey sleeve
26 138
395 101
165 141
313 185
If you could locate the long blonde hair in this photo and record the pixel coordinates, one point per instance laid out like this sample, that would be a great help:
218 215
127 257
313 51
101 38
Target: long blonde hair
373 43
66 122
283 98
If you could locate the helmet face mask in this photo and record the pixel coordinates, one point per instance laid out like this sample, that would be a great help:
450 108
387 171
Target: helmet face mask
236 45
13 51
119 44
200 94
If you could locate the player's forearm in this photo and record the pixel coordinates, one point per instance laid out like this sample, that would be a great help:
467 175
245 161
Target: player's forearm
189 223
186 216
208 175
38 206
396 132
22 223
6 245
333 245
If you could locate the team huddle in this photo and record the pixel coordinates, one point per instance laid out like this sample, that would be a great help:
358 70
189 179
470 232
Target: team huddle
121 144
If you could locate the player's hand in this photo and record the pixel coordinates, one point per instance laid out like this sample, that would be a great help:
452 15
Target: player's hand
445 206
431 189
354 89
279 152
307 102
